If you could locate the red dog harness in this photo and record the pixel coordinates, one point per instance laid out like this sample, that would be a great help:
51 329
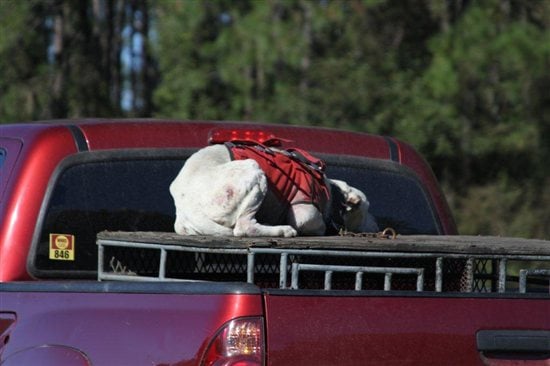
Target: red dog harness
293 175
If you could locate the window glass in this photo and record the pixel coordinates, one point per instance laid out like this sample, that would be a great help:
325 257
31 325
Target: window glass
92 197
396 199
133 195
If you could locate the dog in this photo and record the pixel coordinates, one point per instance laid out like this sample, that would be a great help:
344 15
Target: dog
249 189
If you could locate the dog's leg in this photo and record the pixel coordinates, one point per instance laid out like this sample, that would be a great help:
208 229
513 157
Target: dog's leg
307 219
246 224
187 226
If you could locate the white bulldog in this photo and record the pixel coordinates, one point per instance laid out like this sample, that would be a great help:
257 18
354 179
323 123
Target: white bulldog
251 190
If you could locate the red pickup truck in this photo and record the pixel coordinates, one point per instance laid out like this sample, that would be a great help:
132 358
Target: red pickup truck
91 272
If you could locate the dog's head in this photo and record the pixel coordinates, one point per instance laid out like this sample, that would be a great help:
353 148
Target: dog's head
353 208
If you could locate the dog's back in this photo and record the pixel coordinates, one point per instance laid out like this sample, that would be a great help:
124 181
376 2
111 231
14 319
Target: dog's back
215 195
291 178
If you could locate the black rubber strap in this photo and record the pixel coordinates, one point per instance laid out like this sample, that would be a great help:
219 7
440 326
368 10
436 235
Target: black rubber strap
394 149
79 139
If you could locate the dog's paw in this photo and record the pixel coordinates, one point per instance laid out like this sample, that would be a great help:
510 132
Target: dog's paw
287 231
247 226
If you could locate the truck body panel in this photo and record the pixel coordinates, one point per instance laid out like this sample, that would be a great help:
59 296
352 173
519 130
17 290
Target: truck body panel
394 330
125 324
42 149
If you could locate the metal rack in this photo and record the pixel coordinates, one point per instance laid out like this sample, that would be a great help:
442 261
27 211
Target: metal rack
313 263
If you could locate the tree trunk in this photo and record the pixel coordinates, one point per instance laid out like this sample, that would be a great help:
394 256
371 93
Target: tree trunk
58 104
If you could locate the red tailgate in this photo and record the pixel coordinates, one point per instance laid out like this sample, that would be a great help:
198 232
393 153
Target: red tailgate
119 323
390 330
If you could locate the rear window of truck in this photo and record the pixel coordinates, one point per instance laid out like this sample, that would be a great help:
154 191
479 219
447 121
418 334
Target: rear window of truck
128 191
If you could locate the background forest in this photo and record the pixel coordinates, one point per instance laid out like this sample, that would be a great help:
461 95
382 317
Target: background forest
466 82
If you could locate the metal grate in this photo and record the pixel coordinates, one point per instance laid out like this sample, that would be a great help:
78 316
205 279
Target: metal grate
324 269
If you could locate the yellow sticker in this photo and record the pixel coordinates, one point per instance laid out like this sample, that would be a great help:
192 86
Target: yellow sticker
62 247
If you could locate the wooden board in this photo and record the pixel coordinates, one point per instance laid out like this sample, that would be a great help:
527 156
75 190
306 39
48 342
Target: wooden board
458 244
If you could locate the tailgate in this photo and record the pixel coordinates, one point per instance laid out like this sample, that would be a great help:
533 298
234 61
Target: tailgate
120 323
400 329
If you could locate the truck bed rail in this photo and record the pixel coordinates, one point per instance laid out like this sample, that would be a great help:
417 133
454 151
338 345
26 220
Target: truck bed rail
415 263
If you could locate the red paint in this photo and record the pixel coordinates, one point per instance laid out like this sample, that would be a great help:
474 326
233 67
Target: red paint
394 330
125 329
43 148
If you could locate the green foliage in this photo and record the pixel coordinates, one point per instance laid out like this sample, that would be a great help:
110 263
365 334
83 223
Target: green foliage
24 79
181 73
475 99
62 59
505 209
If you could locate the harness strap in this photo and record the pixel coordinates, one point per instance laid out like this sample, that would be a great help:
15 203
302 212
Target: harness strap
307 159
305 175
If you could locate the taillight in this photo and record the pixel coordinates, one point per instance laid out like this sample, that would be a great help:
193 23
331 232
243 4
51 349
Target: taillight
221 135
240 342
